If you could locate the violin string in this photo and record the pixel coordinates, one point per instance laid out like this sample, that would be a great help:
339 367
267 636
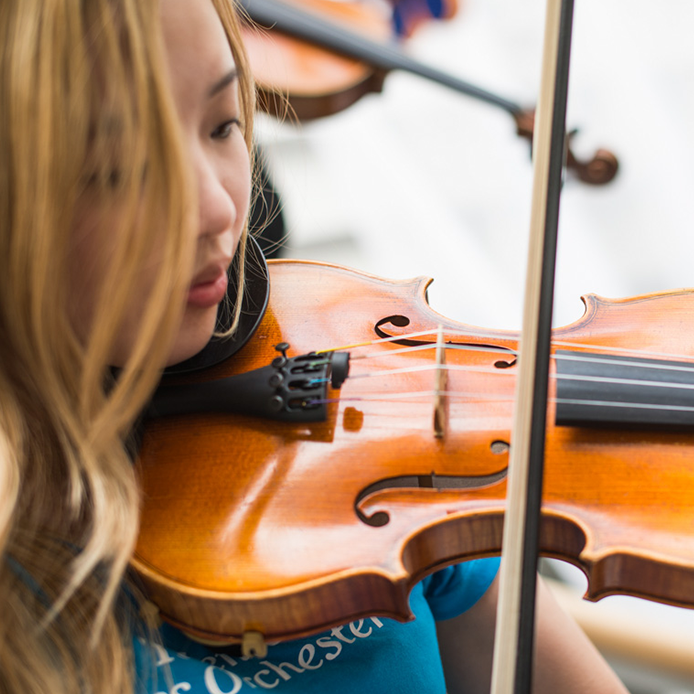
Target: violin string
628 405
421 348
558 377
624 381
428 394
622 350
467 396
470 398
456 395
387 397
379 340
616 361
427 367
578 356
582 357
602 359
503 350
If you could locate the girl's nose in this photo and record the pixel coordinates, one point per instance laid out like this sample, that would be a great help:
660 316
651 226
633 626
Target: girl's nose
216 207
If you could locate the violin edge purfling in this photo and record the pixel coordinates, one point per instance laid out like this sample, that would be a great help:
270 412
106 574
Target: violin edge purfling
269 493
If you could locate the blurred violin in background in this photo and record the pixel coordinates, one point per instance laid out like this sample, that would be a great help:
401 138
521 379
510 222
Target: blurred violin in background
322 56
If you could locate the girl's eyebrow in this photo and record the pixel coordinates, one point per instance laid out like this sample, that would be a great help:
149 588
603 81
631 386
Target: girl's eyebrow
222 83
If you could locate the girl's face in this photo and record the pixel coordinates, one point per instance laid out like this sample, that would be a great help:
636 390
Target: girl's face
205 89
204 86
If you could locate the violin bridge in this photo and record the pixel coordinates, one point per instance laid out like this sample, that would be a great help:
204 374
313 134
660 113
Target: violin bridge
440 386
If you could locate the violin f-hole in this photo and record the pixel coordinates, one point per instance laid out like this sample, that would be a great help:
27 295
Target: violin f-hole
429 480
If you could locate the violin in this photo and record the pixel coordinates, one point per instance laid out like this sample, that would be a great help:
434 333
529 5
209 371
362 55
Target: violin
317 82
318 57
287 527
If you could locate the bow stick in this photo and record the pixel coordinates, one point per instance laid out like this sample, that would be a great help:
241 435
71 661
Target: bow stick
513 646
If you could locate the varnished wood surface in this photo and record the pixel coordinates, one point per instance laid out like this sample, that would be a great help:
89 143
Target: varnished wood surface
251 525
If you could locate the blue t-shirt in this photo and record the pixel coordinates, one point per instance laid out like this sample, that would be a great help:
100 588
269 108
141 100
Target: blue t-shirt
368 655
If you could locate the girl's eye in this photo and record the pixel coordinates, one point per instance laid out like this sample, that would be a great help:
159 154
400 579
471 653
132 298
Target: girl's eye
223 131
104 179
111 179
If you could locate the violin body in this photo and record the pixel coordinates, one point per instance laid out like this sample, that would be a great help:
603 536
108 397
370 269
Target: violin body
314 81
288 529
313 58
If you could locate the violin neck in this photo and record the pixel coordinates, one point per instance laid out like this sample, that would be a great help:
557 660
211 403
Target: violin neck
600 390
313 29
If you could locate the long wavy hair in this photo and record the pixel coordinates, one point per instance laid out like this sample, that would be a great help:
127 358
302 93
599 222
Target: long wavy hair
69 499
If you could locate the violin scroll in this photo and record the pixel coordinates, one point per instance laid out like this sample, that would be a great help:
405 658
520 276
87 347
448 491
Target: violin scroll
601 169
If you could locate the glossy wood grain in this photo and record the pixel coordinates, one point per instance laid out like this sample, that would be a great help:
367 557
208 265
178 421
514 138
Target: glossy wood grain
252 525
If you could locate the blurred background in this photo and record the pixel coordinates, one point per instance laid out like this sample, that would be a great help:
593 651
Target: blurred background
421 181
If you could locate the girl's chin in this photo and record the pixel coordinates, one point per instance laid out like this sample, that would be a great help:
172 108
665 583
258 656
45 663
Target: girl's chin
194 334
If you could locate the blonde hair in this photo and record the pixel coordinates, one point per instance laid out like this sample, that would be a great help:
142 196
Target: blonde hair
69 498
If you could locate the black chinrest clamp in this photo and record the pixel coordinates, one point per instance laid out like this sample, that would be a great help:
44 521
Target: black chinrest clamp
289 389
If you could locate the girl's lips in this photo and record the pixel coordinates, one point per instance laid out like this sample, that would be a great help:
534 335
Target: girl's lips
208 294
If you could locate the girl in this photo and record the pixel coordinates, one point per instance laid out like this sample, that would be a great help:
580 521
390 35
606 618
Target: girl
125 135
